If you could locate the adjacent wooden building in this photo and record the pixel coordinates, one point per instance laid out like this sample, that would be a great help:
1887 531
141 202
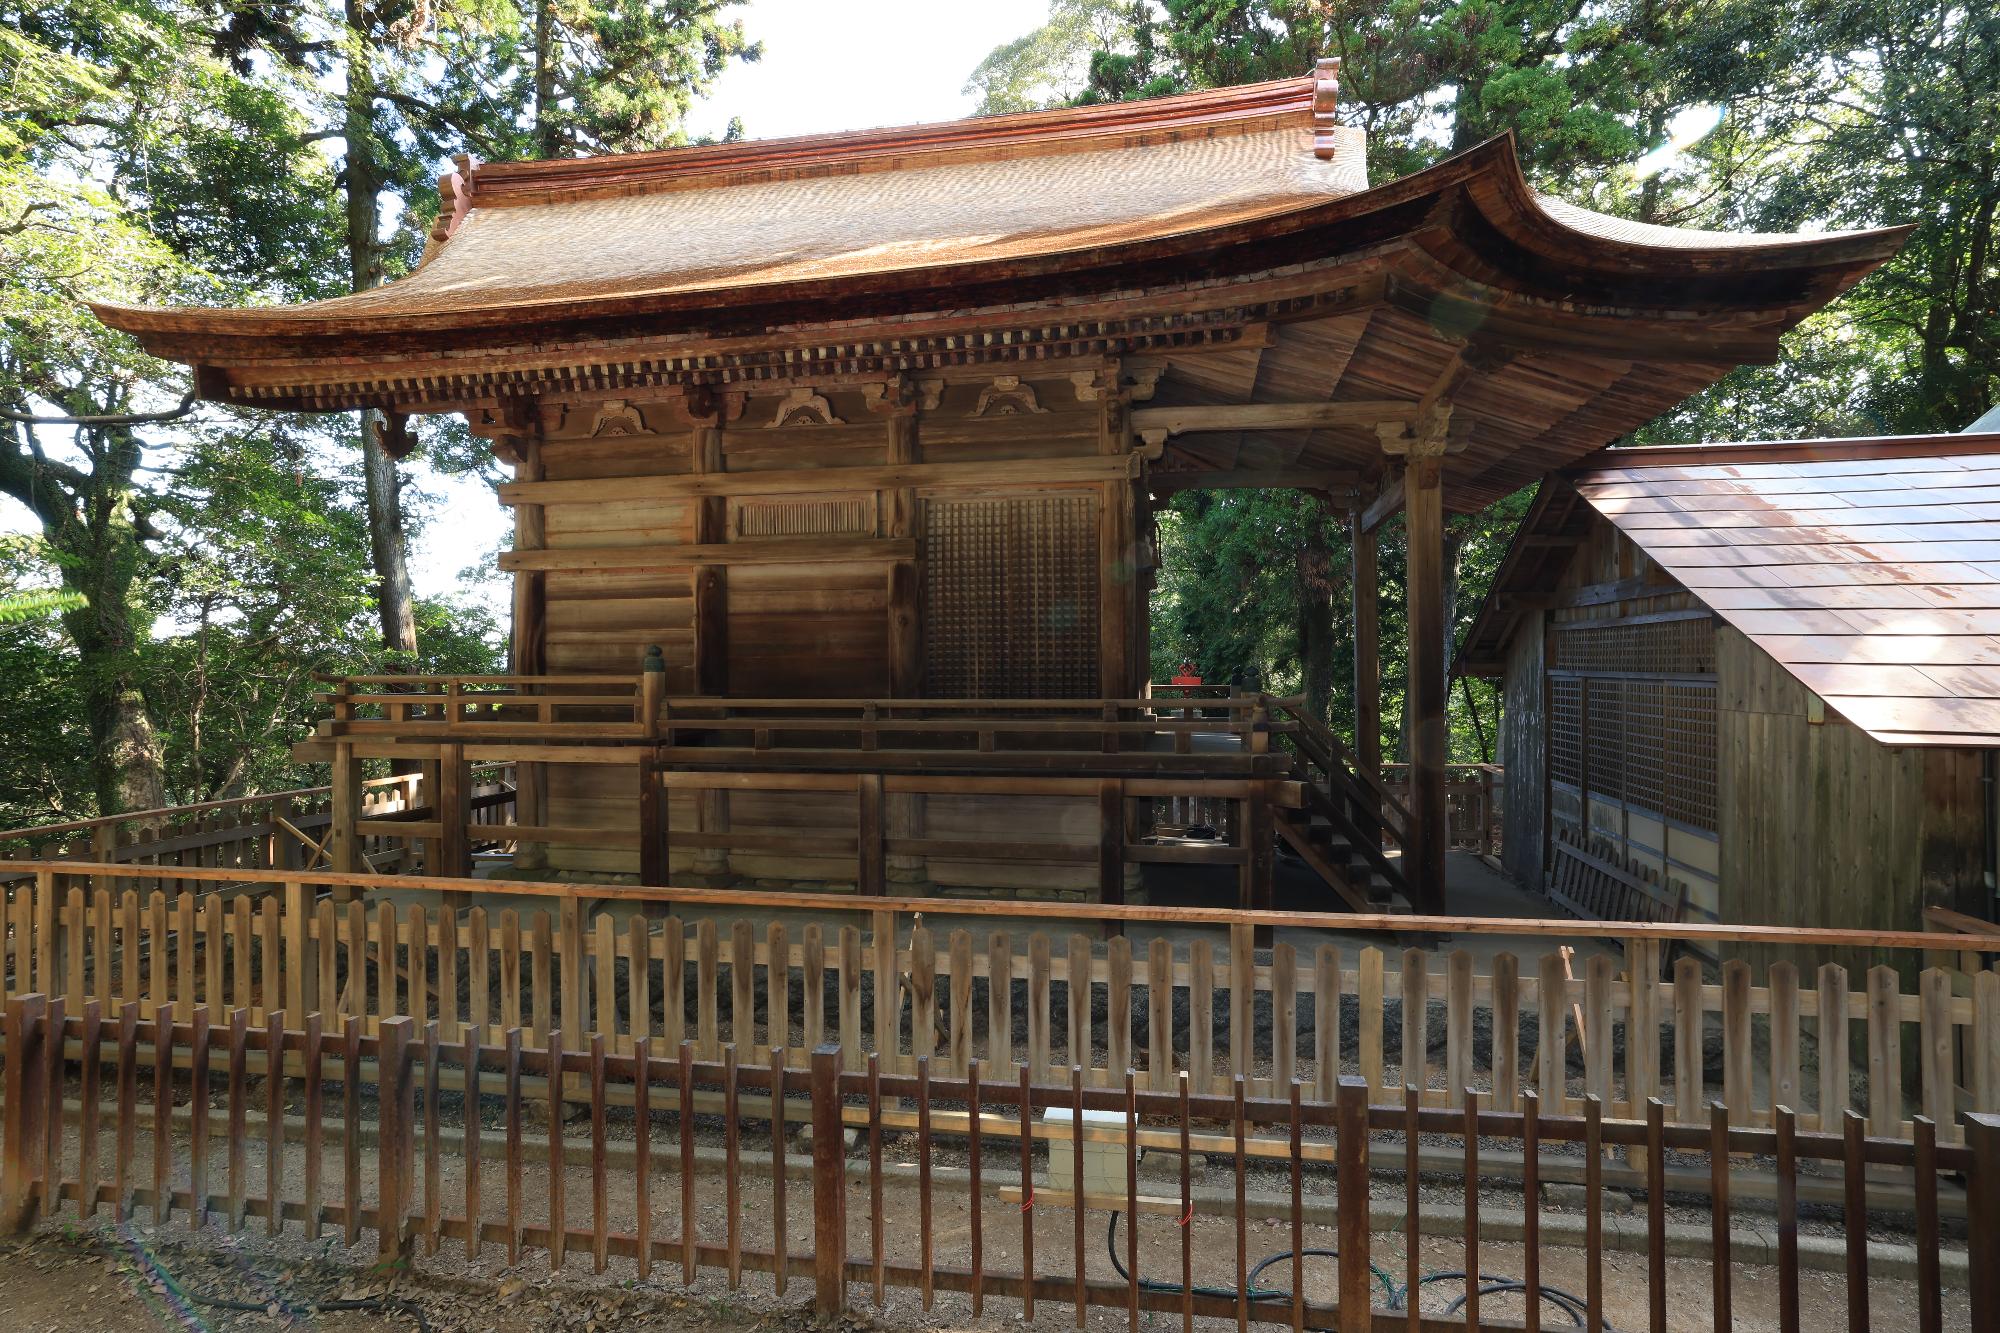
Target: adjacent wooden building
864 433
1755 683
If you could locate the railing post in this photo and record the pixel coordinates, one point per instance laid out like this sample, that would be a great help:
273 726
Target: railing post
1982 1218
396 1134
652 690
1351 1201
25 1157
829 1185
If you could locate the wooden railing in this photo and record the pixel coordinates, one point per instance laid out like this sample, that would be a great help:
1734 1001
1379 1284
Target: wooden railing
546 708
232 1166
947 993
1472 796
1225 811
988 735
270 831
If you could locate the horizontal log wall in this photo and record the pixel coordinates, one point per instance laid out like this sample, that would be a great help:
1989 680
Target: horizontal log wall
773 545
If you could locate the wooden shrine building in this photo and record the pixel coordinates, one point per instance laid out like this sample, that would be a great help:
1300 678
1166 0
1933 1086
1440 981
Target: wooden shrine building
864 432
1755 683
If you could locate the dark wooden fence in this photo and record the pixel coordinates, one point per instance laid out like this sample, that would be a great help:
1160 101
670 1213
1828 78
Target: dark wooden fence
429 1180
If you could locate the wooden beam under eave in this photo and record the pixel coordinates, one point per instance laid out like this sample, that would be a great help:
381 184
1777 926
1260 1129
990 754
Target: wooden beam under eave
1231 479
1266 416
691 555
804 481
1386 502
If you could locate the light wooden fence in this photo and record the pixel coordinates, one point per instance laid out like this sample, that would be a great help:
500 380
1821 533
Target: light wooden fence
430 1183
273 831
1612 1022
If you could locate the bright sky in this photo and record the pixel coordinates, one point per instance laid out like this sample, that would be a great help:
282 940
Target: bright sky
827 65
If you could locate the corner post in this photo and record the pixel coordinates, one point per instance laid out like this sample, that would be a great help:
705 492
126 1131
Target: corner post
1424 519
1367 647
1351 1203
1982 1216
396 1151
829 1185
24 1160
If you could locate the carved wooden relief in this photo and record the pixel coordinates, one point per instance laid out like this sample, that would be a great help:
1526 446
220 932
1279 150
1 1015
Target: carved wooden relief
617 417
1007 396
803 407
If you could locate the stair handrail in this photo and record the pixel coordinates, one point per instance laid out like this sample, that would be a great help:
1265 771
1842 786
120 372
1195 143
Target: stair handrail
1345 759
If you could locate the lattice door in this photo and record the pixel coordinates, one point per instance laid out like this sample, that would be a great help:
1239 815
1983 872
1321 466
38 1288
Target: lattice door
1010 597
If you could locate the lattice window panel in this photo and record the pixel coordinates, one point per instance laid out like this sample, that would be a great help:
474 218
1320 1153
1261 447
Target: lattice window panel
842 516
1010 597
1688 741
1683 647
1605 737
1645 744
1565 731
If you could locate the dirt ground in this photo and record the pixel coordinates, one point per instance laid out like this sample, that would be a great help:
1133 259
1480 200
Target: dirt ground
77 1280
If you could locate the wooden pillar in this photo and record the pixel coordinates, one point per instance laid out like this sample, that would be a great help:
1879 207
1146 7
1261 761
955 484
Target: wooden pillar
528 645
898 519
829 1176
1367 647
1117 554
343 849
653 869
24 1155
1424 525
709 524
395 1153
903 812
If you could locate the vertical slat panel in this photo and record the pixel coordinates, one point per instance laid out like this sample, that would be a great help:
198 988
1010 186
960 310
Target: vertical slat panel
1370 1000
1507 1032
1835 1093
1885 1052
1785 1075
1689 1037
1078 969
1000 1006
961 1002
1551 1016
1118 1005
1201 1014
1416 991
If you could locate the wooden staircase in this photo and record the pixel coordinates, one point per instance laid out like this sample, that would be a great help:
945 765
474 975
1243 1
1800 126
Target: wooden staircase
1348 819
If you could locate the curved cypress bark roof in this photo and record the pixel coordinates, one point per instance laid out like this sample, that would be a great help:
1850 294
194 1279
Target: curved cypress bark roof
1233 218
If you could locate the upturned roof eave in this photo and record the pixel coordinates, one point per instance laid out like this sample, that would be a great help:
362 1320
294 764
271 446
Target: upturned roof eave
245 333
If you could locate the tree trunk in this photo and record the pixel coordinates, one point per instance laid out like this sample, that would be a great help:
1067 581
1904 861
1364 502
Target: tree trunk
387 544
126 746
543 132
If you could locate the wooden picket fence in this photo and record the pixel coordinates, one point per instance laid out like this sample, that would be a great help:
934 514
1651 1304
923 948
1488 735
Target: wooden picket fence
624 971
435 1176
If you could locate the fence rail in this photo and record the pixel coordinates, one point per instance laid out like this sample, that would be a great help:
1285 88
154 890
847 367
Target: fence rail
1620 1026
428 1182
284 830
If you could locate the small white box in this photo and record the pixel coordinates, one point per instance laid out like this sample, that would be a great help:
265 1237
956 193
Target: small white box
1104 1173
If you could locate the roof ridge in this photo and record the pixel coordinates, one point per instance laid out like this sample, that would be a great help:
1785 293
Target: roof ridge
1857 447
1238 109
